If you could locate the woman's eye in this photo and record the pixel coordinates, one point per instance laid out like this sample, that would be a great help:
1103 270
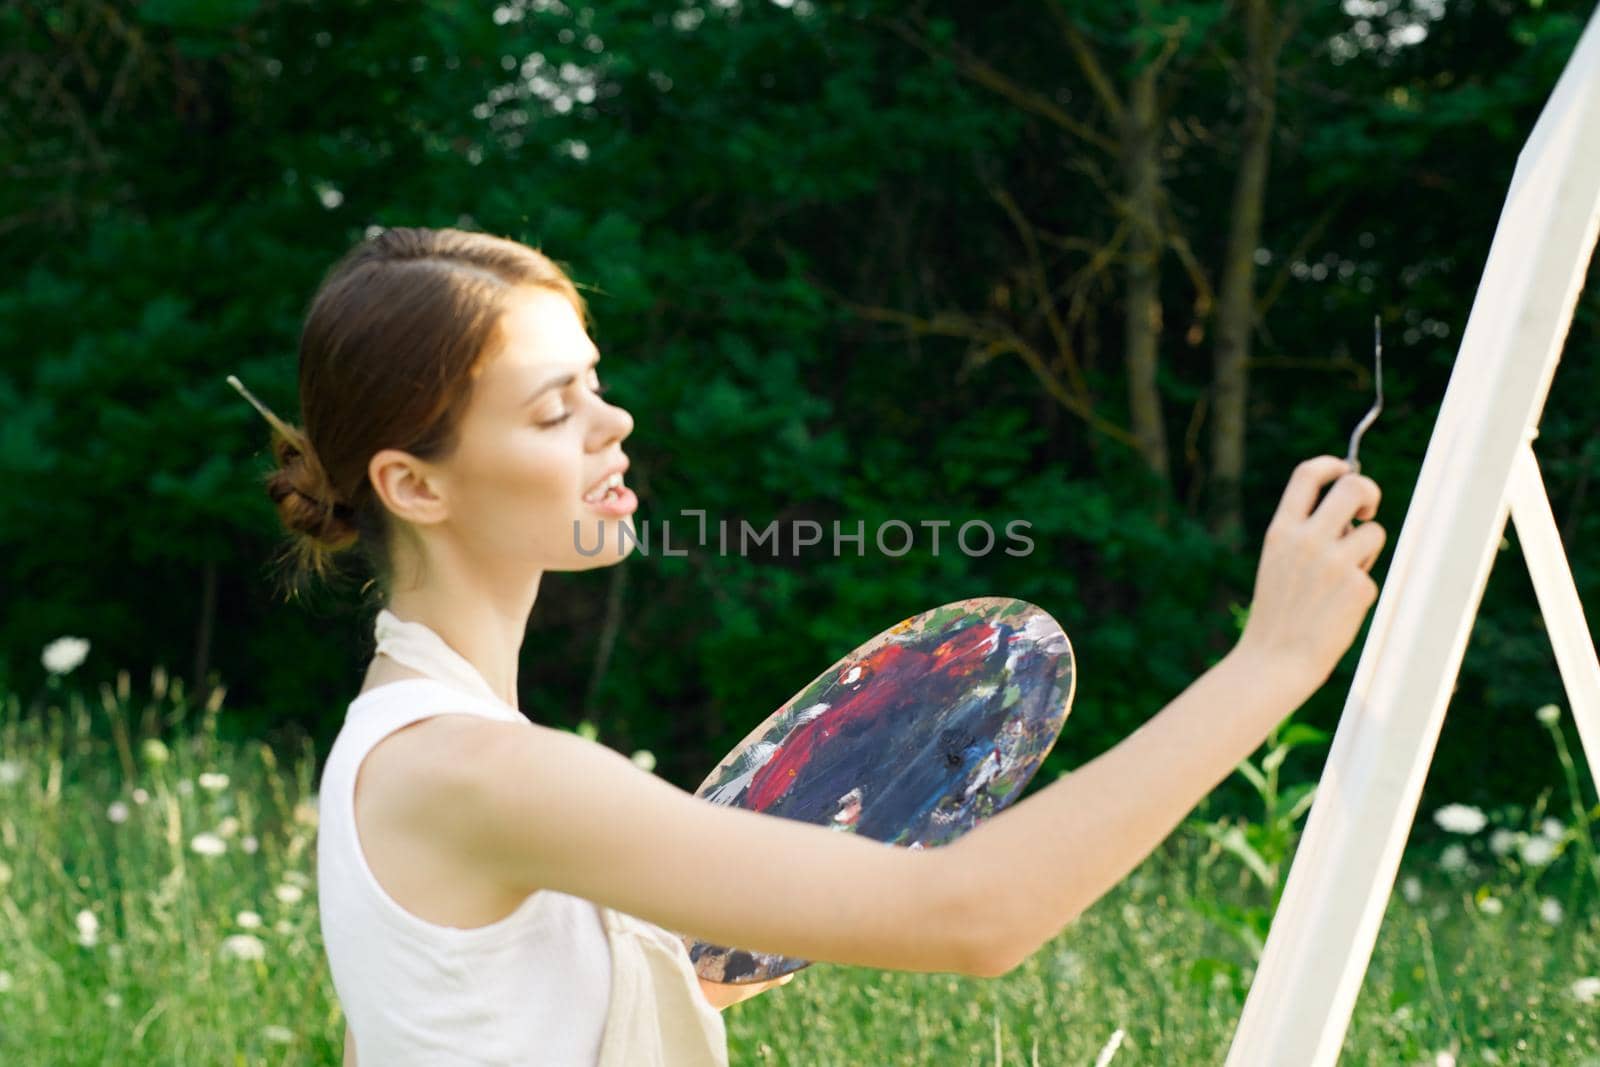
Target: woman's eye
598 389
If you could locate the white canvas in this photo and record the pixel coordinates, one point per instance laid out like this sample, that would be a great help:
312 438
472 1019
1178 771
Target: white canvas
1338 888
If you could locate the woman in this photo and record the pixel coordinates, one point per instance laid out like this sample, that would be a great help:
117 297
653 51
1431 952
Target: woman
496 891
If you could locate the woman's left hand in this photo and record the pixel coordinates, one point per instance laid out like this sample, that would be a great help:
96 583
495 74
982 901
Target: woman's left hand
722 994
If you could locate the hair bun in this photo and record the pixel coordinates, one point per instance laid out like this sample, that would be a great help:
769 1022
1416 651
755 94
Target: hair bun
307 502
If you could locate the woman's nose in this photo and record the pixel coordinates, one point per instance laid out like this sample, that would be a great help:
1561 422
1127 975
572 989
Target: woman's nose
615 421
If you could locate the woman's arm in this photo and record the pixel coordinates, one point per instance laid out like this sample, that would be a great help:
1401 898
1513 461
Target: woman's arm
540 808
349 1046
544 808
1086 832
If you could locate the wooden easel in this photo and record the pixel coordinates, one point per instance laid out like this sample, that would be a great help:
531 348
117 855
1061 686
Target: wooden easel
1479 468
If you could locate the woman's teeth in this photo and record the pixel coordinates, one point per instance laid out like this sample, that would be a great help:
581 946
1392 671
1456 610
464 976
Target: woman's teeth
604 489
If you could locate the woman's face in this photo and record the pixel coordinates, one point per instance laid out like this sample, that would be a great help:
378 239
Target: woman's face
536 438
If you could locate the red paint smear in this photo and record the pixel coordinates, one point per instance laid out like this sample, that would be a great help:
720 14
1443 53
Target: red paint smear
885 674
958 656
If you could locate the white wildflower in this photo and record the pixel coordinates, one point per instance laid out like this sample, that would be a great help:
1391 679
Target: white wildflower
283 926
10 771
5 981
289 894
140 796
63 655
1502 841
1537 851
277 1035
299 878
1553 829
1585 990
113 1000
213 781
1460 818
228 826
248 919
1445 1058
248 844
1453 858
208 844
117 812
1070 964
644 759
1491 906
1411 888
1549 714
88 929
243 947
1113 1043
1550 910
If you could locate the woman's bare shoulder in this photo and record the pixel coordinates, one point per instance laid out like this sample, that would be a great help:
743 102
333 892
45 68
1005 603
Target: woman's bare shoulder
401 767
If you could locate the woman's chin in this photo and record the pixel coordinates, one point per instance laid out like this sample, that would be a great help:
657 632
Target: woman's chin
601 540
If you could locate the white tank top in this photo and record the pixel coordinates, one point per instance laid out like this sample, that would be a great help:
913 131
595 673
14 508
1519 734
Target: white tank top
531 988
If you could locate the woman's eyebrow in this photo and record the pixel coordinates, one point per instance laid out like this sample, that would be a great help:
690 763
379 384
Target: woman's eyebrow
562 382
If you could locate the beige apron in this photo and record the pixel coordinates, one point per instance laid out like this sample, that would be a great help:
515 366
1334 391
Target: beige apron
658 1015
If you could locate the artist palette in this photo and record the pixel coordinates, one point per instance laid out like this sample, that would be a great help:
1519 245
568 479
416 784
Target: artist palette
912 739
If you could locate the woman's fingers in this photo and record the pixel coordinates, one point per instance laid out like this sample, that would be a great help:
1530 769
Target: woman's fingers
1352 497
1312 586
1300 495
725 994
1364 544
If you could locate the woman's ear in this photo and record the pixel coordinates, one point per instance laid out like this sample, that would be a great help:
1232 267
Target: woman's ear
407 486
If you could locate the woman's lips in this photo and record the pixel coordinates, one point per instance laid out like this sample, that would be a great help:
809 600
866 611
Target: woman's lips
616 504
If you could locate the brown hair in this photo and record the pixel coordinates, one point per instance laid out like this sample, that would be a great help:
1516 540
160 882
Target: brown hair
393 343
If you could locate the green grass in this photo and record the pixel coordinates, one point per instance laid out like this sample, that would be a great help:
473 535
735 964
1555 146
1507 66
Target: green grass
1444 977
157 982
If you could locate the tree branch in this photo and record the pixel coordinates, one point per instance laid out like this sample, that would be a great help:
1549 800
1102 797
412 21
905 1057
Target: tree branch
996 341
1088 62
1036 271
1275 287
979 71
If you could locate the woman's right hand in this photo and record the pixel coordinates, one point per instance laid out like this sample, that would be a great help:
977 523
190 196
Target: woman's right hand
1312 587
